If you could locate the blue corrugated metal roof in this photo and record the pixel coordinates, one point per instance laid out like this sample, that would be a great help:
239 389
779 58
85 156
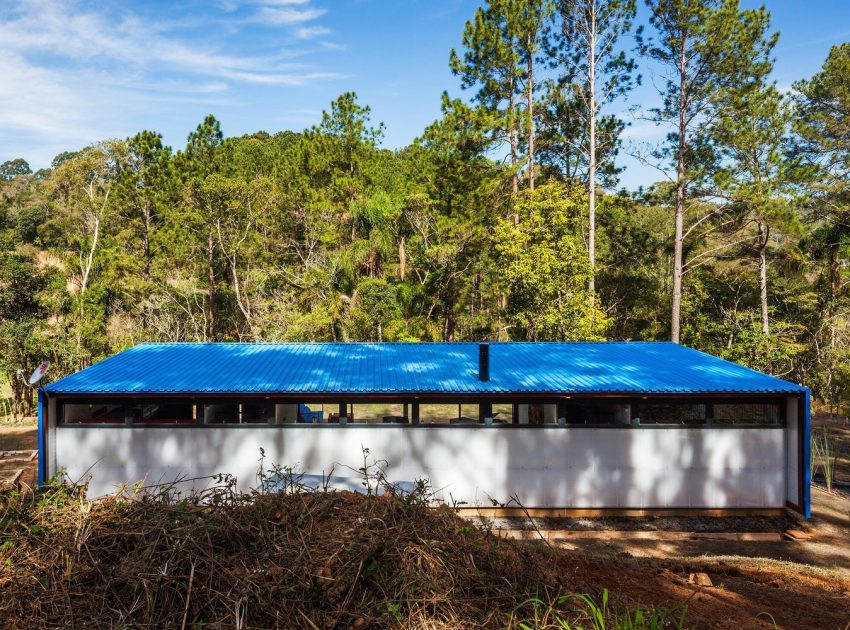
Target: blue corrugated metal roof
438 368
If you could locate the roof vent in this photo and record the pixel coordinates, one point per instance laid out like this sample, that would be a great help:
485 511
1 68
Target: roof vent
484 362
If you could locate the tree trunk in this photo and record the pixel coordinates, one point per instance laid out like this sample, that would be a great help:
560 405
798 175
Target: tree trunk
146 244
676 310
591 163
764 234
449 316
834 273
512 138
530 107
245 306
211 287
146 267
402 259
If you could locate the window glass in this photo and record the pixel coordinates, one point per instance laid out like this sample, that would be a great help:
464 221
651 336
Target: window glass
93 413
598 412
257 412
503 413
314 413
536 414
673 413
761 414
225 412
442 414
163 412
380 413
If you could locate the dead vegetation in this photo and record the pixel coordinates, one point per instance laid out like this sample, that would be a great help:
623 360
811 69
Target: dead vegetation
319 559
306 559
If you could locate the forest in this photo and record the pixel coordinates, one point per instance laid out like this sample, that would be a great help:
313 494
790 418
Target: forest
503 220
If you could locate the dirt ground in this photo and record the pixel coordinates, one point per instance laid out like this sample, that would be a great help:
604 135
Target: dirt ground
19 437
800 584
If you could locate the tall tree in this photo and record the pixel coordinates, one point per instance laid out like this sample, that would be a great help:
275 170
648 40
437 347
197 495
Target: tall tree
82 188
542 261
822 148
145 187
21 283
502 44
491 62
754 176
530 19
341 151
705 47
585 42
200 163
10 169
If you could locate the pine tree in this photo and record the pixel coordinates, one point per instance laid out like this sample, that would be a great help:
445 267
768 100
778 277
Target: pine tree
584 44
754 177
705 47
822 150
491 63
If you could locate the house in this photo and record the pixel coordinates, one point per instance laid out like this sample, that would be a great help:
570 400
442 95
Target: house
602 425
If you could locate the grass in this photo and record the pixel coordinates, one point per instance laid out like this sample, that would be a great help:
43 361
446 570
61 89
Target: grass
5 408
824 453
763 565
5 401
582 612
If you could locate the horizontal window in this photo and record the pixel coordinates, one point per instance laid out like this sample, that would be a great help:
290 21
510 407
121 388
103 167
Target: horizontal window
164 412
240 412
161 413
575 412
597 412
296 413
672 413
93 413
756 414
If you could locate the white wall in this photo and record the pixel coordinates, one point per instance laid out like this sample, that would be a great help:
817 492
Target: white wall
557 467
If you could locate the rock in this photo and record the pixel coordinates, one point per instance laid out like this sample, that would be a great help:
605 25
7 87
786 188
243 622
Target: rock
700 579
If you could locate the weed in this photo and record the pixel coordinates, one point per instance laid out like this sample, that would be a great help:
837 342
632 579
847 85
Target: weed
582 612
767 615
824 453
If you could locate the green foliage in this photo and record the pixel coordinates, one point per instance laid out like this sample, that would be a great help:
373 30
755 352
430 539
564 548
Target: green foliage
582 612
10 169
375 314
583 43
325 235
21 286
543 261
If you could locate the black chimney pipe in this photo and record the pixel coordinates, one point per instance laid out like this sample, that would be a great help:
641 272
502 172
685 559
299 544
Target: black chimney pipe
484 362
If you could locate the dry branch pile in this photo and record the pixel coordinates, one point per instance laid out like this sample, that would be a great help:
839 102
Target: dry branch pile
290 559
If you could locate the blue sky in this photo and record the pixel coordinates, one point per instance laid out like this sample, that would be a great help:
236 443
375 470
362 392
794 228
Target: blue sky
72 73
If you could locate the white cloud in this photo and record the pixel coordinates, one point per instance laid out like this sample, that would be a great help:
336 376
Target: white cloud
38 101
309 32
73 72
282 78
233 5
91 37
278 16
